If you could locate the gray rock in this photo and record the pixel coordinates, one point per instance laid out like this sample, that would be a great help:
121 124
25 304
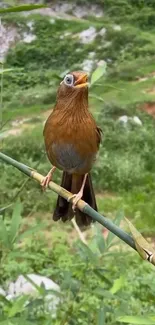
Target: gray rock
102 32
88 35
125 119
117 28
28 37
23 287
8 35
87 65
137 120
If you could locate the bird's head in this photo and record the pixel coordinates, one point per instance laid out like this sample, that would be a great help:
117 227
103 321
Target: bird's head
74 84
73 91
75 80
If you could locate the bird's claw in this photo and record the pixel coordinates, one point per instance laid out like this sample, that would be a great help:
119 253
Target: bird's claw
76 198
45 182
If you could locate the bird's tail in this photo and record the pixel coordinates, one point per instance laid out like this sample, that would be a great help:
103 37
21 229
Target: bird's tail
63 208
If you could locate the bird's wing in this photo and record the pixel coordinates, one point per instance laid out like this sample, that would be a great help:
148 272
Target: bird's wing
99 135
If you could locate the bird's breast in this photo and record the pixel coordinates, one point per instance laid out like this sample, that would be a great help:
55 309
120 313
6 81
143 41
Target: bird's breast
69 159
71 146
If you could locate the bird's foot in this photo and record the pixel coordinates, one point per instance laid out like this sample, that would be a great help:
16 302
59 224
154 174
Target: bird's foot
45 182
76 198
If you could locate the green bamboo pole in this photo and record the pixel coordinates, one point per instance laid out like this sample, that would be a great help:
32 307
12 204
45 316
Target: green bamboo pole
137 242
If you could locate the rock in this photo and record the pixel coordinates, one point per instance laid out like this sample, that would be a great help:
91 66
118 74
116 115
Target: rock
106 44
123 119
30 24
101 63
87 65
102 32
117 28
88 35
8 35
28 37
91 55
81 11
23 287
52 21
137 120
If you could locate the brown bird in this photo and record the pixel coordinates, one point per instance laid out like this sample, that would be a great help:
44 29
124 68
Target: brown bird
72 140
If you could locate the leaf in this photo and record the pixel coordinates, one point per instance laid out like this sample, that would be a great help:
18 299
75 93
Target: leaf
5 70
101 292
98 73
22 320
144 249
18 306
4 238
101 317
16 321
22 8
117 221
15 222
118 284
100 239
139 320
30 231
87 253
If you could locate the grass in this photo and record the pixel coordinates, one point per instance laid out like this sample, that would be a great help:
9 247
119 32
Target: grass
96 277
24 111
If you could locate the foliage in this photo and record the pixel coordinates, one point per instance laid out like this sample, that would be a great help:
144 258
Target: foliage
57 48
21 8
93 283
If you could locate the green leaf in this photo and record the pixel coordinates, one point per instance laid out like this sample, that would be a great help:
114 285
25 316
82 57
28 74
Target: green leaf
17 321
100 239
139 320
4 238
30 231
118 284
87 253
18 306
144 248
98 73
117 221
5 70
15 222
119 217
22 8
101 317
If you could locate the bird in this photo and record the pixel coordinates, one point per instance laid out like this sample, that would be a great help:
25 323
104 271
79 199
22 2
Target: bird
72 139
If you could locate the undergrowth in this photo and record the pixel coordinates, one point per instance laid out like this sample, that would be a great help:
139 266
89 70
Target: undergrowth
96 280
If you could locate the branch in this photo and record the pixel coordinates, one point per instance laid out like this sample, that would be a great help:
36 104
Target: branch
137 242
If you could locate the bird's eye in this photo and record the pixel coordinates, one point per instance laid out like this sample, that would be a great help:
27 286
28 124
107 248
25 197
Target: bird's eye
69 80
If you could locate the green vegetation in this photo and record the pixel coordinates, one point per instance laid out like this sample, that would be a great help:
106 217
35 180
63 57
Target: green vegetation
123 177
96 281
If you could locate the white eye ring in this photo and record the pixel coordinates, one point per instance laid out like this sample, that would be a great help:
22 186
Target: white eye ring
69 80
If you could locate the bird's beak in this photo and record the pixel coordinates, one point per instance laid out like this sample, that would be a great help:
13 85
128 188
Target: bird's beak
82 81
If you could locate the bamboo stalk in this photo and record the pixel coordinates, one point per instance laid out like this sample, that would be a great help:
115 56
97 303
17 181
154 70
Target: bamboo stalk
133 242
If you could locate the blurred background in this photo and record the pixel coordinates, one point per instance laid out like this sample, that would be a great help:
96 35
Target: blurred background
37 48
